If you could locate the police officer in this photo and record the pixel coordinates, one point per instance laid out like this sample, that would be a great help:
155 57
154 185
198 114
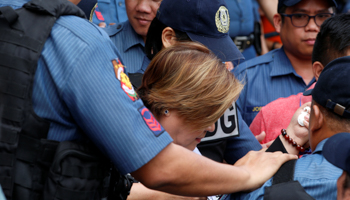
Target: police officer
288 70
81 89
244 17
108 12
130 36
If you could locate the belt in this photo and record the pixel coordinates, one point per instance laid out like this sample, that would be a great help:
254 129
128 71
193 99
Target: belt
243 42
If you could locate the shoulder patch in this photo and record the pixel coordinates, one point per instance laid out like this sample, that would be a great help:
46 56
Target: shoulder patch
151 121
124 80
98 13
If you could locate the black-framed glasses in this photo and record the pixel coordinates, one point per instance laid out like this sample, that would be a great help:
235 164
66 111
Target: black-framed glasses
301 20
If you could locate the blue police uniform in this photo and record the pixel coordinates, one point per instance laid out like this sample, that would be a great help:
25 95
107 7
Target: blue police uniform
129 43
243 14
113 11
80 87
317 176
239 146
266 78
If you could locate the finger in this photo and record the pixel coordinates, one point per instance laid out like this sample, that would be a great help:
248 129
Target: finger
261 136
286 157
263 149
102 25
268 144
306 121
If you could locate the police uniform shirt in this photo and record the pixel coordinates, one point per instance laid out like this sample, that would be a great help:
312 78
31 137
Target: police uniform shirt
242 17
130 45
266 78
109 11
317 176
80 87
239 146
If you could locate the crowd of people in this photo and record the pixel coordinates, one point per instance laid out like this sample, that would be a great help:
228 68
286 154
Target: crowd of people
164 99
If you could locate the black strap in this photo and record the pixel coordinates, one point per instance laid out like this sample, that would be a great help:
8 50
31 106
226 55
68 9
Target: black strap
9 14
285 173
277 145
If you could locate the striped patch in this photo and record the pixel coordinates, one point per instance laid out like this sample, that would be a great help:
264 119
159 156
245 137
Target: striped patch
151 121
99 14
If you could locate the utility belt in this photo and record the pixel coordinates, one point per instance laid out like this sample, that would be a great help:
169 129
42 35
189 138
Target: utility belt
243 42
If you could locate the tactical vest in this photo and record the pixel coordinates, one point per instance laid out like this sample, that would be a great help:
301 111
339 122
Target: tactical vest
32 167
283 184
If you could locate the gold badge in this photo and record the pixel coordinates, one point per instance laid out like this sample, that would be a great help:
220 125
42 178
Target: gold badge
222 19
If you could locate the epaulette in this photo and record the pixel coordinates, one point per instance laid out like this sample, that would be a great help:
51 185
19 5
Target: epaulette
114 29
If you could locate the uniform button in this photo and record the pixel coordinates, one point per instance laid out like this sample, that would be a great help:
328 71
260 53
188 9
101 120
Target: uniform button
120 3
119 26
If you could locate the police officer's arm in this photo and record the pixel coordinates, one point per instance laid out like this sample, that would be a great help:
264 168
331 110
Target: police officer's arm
269 7
179 171
138 191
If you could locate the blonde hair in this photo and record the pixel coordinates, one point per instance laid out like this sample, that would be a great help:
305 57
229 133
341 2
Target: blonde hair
189 78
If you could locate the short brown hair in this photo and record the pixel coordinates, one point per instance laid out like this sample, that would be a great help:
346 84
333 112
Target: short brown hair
189 78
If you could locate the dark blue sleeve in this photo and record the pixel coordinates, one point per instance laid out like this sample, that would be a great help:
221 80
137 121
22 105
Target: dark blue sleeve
239 146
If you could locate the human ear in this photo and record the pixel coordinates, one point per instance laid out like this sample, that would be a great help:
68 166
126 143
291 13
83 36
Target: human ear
318 118
277 21
317 68
168 35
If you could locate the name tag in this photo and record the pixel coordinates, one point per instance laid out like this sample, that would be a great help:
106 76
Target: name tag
226 126
253 109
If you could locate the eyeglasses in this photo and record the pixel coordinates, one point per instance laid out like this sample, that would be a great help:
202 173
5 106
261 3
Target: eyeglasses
301 20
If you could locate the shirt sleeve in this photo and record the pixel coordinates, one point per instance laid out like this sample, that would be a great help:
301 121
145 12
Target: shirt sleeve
99 98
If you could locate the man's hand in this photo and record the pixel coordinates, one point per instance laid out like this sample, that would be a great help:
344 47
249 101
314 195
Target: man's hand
299 133
261 166
261 137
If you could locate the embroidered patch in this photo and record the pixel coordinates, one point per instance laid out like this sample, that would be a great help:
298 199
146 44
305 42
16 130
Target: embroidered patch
151 121
98 14
124 80
222 19
253 109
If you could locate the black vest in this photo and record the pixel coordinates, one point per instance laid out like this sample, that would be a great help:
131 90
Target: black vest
30 166
283 184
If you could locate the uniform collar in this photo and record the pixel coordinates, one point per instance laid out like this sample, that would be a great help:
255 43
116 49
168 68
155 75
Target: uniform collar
319 147
133 38
281 64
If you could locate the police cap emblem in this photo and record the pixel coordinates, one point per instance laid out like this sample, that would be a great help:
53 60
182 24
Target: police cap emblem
222 19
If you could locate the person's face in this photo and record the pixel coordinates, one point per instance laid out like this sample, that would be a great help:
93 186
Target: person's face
141 13
182 133
299 41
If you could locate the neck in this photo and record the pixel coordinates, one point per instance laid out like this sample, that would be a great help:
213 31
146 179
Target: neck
321 134
302 66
